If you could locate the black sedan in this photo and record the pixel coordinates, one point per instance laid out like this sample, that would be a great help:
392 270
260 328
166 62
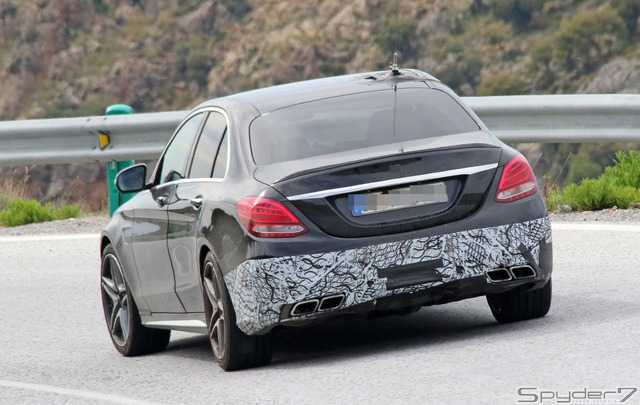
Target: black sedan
359 195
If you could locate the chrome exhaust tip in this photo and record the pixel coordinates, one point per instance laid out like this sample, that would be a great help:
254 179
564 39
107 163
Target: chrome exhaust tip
305 307
331 302
524 271
498 275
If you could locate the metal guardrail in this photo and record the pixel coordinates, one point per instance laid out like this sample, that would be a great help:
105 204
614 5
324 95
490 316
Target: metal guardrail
549 118
561 118
75 140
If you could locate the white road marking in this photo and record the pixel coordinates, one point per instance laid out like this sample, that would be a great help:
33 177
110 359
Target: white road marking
611 227
39 238
72 392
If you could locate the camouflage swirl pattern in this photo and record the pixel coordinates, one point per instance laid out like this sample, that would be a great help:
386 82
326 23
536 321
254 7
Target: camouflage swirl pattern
260 288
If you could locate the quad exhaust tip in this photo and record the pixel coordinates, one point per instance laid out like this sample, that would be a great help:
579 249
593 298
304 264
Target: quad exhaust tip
311 306
503 274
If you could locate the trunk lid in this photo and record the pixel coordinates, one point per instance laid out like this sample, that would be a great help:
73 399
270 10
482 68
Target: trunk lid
390 188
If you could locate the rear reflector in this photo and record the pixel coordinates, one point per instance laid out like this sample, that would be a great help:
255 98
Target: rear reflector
268 218
517 181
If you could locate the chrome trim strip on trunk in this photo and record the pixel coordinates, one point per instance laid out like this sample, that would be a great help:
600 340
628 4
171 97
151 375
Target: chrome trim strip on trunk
394 182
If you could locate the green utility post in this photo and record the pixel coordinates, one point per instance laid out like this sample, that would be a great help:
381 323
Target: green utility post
113 168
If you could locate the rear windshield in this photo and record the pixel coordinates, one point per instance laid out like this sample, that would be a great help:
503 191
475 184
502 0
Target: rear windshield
356 121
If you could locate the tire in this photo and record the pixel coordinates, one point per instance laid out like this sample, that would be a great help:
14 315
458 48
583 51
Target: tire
127 333
232 348
520 304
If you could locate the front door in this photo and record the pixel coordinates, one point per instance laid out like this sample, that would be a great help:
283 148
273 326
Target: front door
151 223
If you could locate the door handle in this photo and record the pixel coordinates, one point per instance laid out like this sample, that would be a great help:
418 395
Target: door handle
197 202
162 200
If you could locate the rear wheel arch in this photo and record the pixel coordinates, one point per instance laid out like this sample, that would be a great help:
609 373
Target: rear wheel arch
202 255
232 348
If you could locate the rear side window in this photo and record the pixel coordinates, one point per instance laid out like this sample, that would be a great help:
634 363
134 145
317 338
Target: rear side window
220 168
356 121
208 145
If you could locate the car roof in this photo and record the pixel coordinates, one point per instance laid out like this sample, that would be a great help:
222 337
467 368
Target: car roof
275 97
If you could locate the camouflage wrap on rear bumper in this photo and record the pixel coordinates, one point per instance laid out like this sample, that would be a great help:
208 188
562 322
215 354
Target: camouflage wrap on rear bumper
260 288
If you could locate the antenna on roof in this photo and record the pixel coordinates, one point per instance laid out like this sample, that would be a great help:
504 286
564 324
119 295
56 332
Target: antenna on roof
394 65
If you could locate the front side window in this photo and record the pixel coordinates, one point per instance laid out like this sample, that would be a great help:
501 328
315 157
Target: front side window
174 161
356 121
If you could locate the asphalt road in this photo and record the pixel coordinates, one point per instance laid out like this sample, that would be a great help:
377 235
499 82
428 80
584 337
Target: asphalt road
54 346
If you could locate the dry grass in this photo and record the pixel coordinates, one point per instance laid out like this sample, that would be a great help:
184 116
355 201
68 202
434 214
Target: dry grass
11 189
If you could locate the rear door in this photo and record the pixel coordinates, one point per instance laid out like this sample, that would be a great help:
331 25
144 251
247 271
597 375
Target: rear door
208 167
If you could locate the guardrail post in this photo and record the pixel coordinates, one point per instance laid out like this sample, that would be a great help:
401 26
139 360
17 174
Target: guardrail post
113 168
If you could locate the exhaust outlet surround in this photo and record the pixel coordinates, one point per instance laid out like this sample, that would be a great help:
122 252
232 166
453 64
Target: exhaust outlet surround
331 302
305 307
499 275
322 304
504 274
525 271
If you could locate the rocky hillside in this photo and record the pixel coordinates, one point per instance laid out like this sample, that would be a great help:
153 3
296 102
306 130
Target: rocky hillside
75 57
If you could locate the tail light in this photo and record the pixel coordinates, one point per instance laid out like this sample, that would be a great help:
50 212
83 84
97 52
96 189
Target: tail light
517 181
268 219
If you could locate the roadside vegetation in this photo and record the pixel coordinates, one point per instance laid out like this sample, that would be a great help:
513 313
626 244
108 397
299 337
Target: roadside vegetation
67 58
16 211
618 186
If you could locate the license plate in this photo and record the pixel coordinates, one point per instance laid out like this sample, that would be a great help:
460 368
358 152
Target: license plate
398 198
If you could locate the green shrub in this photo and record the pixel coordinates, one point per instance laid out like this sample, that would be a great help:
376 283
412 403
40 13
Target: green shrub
541 52
399 35
66 212
629 11
4 202
501 84
31 36
101 7
589 39
517 12
465 70
626 171
22 212
238 8
498 33
582 167
618 186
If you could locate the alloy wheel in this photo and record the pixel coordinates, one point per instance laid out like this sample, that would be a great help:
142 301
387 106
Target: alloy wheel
214 310
115 299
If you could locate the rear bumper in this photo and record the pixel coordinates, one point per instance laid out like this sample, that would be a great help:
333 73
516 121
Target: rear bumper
417 271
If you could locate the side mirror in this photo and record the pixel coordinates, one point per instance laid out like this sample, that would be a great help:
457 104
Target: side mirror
132 179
